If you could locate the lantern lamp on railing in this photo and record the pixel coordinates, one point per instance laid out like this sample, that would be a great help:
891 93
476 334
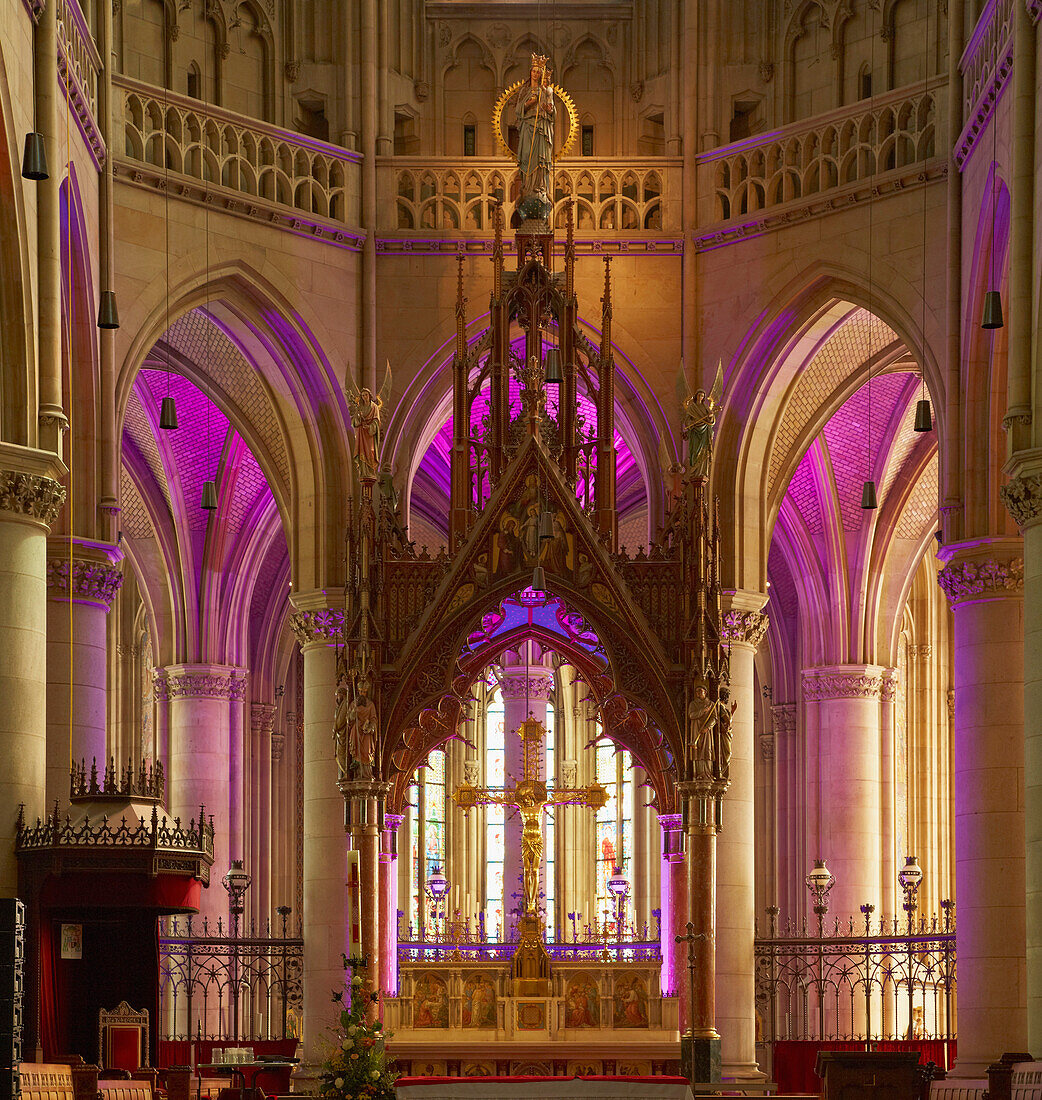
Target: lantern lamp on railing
910 877
619 888
819 882
236 881
437 890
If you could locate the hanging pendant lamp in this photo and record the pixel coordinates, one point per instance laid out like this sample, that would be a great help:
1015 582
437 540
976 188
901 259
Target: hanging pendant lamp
992 317
546 526
210 496
539 579
553 376
868 495
108 315
923 416
34 157
168 415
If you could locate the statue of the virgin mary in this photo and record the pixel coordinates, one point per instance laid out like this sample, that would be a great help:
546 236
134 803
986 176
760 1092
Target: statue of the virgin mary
534 110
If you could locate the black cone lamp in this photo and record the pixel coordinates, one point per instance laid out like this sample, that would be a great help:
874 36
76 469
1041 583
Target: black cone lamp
923 416
34 157
168 414
209 496
992 317
108 315
868 496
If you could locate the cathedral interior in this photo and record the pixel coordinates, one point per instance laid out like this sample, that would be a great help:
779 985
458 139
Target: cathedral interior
526 515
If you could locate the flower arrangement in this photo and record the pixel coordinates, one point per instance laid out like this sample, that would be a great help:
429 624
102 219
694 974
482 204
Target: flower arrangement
356 1067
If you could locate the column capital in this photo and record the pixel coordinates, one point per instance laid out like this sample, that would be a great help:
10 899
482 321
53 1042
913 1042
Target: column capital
262 718
96 573
985 569
319 617
767 746
783 719
535 684
888 687
743 627
843 682
200 681
278 745
1022 494
30 485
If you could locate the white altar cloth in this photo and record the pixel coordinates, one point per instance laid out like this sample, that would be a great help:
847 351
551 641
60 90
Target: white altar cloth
543 1088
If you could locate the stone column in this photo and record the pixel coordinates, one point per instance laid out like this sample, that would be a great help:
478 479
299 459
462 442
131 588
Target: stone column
199 700
1023 497
744 627
389 903
262 724
319 624
526 689
984 582
701 1047
77 672
846 702
30 498
673 957
783 725
364 801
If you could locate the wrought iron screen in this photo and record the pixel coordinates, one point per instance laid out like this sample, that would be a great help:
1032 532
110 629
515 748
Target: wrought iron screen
889 980
220 985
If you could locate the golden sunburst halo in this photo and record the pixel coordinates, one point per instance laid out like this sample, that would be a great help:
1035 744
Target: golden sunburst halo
504 99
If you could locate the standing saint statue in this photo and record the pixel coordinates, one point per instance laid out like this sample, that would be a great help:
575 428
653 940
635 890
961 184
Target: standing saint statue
699 411
702 716
534 112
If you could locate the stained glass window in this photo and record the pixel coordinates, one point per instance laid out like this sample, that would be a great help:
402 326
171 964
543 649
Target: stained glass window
549 831
614 830
427 796
495 816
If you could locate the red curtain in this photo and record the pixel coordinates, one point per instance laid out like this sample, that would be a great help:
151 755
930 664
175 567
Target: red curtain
54 992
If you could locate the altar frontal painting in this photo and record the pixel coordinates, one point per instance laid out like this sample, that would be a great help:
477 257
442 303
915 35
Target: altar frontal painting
582 1003
631 1002
430 1002
479 1002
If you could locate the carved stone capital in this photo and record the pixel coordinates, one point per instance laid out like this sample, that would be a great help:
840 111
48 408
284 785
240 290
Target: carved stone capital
783 719
32 496
743 627
535 686
1022 497
262 718
322 625
767 746
671 823
200 682
965 581
278 746
843 682
921 652
888 687
93 581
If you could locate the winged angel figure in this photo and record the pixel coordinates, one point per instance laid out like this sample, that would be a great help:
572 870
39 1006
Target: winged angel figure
366 410
699 420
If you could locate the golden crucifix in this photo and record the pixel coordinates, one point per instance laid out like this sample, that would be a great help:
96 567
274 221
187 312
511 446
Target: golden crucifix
530 797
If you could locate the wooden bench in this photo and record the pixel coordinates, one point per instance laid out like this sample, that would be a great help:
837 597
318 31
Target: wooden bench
120 1089
45 1081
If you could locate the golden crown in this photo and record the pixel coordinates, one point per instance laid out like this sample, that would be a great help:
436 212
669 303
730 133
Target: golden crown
539 62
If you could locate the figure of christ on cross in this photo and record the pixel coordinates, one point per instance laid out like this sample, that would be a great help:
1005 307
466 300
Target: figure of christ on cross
530 797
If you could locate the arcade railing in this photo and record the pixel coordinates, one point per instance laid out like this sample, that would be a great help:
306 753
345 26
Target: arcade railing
216 982
874 980
452 939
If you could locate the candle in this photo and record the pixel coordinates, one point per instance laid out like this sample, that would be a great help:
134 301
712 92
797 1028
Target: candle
455 897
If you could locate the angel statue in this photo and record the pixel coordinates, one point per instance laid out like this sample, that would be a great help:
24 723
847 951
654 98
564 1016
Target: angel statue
534 111
699 421
366 410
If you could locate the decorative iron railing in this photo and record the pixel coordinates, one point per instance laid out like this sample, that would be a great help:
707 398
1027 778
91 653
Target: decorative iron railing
217 984
155 833
883 981
238 154
449 194
456 939
808 158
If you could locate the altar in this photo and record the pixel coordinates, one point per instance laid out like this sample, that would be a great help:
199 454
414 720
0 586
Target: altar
546 1088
